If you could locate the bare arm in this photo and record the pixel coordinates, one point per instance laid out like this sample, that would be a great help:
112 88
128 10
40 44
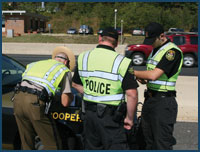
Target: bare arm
149 75
66 99
77 87
132 100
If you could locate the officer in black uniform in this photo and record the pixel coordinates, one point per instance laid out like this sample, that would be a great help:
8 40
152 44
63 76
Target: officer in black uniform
159 111
103 126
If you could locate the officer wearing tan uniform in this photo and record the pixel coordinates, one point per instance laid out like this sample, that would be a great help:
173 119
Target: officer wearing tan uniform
40 83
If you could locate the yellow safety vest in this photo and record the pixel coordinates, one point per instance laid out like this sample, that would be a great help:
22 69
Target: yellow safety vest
102 72
163 83
46 73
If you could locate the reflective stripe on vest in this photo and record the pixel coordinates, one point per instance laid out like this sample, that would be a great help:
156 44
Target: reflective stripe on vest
163 83
116 63
58 74
152 62
52 68
111 77
85 60
105 98
101 74
49 85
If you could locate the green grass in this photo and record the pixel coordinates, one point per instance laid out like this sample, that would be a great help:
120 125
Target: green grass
64 38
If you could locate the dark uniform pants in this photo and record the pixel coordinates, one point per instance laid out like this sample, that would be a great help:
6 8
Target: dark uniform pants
31 121
158 118
102 133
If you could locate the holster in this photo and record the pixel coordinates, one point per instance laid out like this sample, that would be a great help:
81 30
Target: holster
82 110
120 112
101 108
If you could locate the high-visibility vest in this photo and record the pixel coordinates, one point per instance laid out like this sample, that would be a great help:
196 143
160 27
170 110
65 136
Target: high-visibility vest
163 83
102 72
46 73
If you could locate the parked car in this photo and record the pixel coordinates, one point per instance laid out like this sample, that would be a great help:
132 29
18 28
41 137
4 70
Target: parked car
100 31
174 31
138 31
188 43
194 29
72 31
119 30
85 29
68 119
11 75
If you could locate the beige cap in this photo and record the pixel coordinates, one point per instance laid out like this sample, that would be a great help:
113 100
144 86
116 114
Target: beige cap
68 52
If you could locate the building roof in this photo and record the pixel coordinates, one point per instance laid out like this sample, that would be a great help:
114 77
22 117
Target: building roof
25 13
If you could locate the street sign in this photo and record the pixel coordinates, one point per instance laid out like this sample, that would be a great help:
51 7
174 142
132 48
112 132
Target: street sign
49 26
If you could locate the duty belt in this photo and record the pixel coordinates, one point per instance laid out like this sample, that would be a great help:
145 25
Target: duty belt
92 106
149 93
42 95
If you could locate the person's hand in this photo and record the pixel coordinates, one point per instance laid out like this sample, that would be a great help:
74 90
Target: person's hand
142 81
128 124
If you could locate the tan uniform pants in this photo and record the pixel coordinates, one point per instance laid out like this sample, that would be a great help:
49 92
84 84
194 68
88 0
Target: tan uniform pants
31 121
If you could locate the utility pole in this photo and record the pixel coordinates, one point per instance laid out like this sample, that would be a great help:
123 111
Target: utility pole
42 6
121 31
115 18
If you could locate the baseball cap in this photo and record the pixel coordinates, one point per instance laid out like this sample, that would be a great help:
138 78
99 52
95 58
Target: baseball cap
152 30
110 32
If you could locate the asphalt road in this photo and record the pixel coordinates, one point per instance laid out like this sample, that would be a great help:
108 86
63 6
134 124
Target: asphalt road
186 133
26 59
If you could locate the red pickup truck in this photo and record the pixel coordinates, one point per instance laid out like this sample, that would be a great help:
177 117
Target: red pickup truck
188 43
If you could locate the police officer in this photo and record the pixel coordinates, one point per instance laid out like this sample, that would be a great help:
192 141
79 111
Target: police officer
160 107
40 82
103 78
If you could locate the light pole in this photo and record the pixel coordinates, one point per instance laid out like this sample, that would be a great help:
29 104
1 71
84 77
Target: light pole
115 18
121 30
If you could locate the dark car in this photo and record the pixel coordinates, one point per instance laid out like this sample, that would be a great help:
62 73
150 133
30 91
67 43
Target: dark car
67 119
71 31
100 31
85 29
194 29
11 75
119 31
188 43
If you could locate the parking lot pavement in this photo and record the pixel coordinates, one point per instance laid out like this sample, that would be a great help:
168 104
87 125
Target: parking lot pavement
186 134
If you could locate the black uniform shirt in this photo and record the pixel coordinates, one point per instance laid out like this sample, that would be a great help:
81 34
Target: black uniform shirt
169 65
129 81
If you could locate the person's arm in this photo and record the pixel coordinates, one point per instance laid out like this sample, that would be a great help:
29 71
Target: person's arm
66 84
149 75
78 87
169 65
66 99
76 81
132 100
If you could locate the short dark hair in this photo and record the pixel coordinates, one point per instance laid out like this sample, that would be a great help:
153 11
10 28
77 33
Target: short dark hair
111 40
